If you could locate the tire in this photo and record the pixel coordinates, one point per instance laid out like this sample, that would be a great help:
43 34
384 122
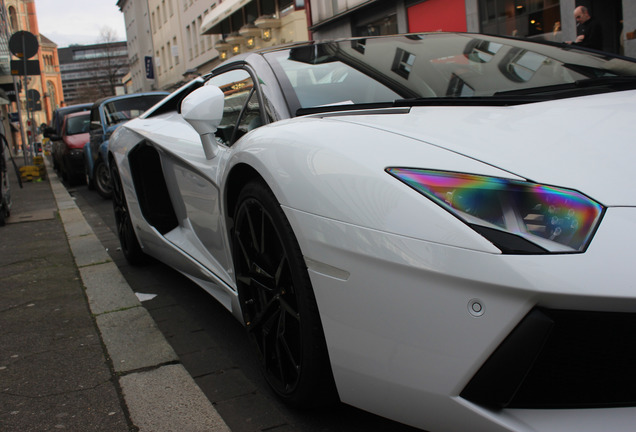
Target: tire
127 238
102 180
277 301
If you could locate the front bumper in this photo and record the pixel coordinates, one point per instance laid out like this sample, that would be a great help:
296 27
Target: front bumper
405 340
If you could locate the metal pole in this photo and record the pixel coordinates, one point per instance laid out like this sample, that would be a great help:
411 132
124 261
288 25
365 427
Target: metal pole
29 112
17 101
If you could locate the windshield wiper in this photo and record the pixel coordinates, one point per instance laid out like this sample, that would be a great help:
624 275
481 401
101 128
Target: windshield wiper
343 107
428 101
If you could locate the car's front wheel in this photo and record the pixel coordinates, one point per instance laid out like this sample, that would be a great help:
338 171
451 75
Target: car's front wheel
127 238
102 180
277 301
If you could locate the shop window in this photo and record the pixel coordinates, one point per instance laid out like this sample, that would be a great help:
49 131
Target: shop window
383 26
539 19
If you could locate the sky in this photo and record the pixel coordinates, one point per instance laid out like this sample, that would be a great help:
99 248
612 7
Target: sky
68 22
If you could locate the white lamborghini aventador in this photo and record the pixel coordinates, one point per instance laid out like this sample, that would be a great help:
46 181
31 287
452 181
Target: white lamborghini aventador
436 228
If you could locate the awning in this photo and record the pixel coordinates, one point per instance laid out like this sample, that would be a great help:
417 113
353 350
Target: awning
4 99
212 22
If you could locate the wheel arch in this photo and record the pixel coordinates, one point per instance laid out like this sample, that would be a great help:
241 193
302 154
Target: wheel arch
240 175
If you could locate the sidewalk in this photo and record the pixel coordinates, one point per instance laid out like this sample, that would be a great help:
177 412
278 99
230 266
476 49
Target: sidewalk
77 349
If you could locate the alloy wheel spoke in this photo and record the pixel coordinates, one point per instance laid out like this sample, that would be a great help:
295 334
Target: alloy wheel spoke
270 307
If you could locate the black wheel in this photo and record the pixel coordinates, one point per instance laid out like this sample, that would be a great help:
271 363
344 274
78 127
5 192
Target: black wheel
102 180
278 303
125 231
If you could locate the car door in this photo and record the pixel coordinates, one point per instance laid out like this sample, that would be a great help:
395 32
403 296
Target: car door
96 132
194 181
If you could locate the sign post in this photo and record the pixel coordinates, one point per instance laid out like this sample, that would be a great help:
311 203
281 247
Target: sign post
24 45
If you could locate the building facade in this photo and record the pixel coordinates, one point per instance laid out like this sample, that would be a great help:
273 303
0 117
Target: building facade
189 37
551 20
141 77
246 25
44 89
90 72
167 40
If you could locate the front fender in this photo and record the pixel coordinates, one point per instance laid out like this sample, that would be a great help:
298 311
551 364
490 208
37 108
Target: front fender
88 158
103 152
336 170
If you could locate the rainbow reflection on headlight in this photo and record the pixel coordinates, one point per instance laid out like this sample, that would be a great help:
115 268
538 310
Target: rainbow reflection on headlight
556 219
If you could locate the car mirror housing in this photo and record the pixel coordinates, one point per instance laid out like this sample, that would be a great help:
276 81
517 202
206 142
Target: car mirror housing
203 109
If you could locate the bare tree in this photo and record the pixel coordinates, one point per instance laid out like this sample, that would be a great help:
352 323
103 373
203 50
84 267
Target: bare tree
111 63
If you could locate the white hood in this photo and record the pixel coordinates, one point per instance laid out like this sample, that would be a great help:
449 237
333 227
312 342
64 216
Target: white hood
581 143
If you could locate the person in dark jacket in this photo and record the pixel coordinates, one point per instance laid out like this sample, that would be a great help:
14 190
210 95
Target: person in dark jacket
589 33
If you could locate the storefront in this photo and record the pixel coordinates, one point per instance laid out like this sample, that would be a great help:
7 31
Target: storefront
550 20
246 25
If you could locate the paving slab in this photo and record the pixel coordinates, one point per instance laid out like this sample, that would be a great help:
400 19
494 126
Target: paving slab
166 399
106 288
133 340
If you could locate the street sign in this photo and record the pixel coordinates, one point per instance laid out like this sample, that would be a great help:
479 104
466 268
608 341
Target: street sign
33 100
23 44
18 67
150 72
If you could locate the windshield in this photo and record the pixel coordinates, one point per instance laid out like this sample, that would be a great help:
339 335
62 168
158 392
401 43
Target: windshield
78 124
126 109
442 65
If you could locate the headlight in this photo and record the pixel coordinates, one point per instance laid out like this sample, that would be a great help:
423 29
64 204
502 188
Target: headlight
516 216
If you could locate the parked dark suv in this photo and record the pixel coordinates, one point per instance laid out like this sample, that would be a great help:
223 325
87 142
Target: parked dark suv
106 115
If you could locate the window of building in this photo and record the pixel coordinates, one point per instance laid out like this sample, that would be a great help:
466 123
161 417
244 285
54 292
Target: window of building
383 26
13 19
521 18
201 38
195 39
158 63
175 50
286 6
50 89
268 7
189 41
251 12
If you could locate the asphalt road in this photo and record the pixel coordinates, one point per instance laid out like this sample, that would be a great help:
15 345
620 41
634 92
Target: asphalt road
213 346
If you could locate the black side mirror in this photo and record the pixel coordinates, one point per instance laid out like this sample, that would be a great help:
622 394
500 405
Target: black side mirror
48 131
